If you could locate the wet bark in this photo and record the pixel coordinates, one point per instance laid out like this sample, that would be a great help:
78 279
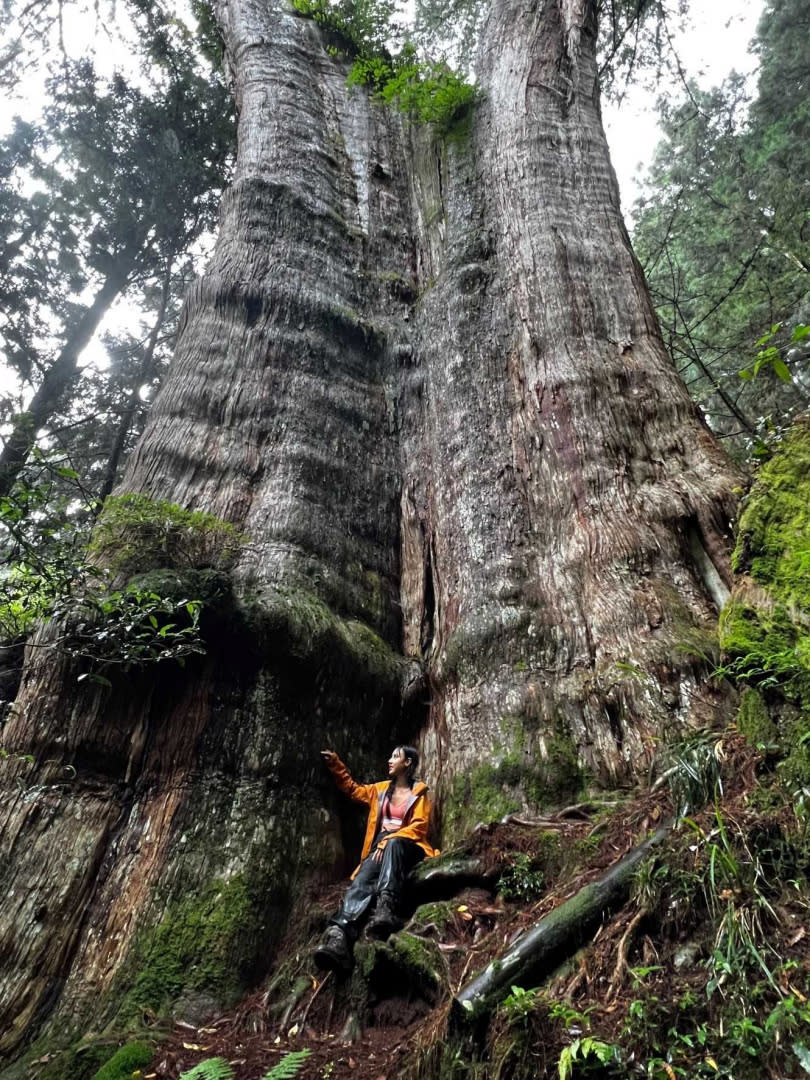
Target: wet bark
424 377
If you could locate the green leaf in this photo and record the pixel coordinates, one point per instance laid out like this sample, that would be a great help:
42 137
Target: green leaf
565 1065
803 1054
210 1069
288 1066
781 369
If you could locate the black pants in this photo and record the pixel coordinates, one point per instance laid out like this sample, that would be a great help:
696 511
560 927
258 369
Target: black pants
374 878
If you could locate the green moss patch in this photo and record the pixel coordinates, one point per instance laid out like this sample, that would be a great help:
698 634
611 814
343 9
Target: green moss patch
126 1061
136 533
420 962
80 1062
516 780
440 913
299 623
765 627
197 946
754 719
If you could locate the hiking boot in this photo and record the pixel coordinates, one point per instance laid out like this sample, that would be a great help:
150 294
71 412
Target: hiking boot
334 953
385 920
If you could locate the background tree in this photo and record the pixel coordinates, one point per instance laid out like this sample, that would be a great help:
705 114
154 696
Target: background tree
124 181
722 233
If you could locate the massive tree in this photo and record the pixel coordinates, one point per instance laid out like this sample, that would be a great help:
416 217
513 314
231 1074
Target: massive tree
423 376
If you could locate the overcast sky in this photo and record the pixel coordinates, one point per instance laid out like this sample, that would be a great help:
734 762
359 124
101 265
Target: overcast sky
715 43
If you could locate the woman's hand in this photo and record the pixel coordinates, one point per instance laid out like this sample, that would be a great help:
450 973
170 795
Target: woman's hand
329 756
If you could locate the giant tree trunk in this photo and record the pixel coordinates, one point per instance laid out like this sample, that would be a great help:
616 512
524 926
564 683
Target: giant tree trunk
425 378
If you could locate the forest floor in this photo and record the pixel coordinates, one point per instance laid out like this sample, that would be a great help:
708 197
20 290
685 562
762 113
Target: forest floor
473 928
704 972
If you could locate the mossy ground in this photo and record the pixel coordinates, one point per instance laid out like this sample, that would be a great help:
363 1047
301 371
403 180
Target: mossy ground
131 1060
81 1062
99 1060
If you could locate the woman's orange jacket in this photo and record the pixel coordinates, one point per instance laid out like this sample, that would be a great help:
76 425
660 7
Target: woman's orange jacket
415 821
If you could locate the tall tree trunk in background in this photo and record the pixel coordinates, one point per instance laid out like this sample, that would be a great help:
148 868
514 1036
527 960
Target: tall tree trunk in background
59 377
134 404
425 379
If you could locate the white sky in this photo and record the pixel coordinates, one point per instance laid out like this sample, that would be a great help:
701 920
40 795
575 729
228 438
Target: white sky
715 43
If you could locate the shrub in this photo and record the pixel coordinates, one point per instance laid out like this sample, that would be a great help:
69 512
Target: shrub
430 93
136 533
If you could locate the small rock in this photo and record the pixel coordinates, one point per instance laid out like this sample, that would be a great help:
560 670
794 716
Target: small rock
685 956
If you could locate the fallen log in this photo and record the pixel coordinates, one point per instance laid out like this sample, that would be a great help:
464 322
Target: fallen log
540 949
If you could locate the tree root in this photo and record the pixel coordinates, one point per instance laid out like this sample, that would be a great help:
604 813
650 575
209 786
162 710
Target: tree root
537 951
621 955
318 989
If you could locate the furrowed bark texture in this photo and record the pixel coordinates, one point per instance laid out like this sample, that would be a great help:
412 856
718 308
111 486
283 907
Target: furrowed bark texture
566 478
424 377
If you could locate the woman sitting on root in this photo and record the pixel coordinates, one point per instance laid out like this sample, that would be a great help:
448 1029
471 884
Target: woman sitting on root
396 840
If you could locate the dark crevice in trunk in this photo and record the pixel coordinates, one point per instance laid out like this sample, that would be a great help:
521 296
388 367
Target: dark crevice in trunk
615 720
707 572
429 600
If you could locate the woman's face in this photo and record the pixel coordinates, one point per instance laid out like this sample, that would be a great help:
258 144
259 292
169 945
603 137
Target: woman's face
397 763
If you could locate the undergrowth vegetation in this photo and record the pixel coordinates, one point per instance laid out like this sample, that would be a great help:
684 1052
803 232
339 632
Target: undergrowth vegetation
219 1069
133 595
388 63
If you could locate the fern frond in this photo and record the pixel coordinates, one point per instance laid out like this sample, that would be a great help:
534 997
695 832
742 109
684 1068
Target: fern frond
210 1069
288 1066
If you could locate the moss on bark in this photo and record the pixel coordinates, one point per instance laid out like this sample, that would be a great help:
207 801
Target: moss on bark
765 627
309 629
198 946
517 780
754 720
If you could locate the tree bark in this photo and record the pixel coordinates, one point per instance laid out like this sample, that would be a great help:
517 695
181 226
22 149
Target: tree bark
424 377
558 460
